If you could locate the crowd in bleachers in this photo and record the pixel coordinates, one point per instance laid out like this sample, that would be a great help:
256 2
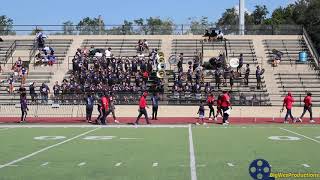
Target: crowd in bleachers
98 71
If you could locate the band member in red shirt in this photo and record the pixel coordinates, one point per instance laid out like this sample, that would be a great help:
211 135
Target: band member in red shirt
288 102
307 107
104 108
226 106
219 111
210 102
142 108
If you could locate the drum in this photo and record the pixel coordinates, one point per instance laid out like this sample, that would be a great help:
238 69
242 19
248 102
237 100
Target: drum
234 62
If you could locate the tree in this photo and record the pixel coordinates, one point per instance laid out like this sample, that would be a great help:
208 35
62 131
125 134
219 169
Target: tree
91 26
198 26
142 28
68 28
259 14
6 26
229 17
157 26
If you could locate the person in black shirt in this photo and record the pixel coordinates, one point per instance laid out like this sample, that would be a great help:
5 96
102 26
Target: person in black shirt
213 35
56 92
240 64
22 89
259 72
32 92
246 76
89 107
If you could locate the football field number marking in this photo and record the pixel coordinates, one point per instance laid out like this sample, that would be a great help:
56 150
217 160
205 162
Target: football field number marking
314 140
118 164
230 164
306 165
46 148
155 164
284 138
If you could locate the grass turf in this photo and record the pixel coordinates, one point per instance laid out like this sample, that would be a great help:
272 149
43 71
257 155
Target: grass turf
157 153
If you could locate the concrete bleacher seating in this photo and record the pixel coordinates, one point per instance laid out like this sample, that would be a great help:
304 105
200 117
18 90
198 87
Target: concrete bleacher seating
4 47
37 77
120 47
290 49
234 47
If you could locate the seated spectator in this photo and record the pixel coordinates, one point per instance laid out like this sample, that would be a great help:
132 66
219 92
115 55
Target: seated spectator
213 35
23 73
220 35
145 45
206 34
92 51
40 39
47 50
140 46
51 59
108 53
276 57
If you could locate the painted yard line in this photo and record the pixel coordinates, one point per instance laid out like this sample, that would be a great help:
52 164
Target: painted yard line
201 165
91 126
47 148
129 138
301 135
155 164
13 165
3 129
118 164
44 164
82 164
230 164
305 165
193 169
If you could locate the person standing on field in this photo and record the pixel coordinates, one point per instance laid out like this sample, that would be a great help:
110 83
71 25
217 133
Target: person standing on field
288 102
142 108
113 108
155 104
225 106
89 107
210 102
24 107
307 107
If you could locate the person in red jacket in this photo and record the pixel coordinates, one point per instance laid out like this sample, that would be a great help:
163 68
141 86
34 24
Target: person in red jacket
104 109
219 111
307 107
288 102
225 106
142 108
210 102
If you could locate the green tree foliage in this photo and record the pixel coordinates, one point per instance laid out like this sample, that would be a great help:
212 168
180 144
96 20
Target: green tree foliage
91 26
6 27
198 26
68 28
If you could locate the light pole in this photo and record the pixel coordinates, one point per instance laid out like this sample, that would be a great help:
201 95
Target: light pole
241 17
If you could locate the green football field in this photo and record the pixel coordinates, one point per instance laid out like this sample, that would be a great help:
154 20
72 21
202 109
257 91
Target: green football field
180 152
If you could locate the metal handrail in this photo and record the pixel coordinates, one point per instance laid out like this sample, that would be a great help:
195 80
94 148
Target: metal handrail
314 52
10 51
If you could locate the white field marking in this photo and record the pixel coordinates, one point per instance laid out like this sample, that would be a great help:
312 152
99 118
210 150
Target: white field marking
129 138
201 165
284 138
306 165
44 164
318 137
91 126
82 164
49 137
12 165
301 135
155 164
3 129
118 164
99 137
193 169
46 148
230 164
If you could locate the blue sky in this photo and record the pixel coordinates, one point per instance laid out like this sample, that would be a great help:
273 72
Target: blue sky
114 12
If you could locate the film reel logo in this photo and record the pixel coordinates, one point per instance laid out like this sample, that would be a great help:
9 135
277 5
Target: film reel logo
260 169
